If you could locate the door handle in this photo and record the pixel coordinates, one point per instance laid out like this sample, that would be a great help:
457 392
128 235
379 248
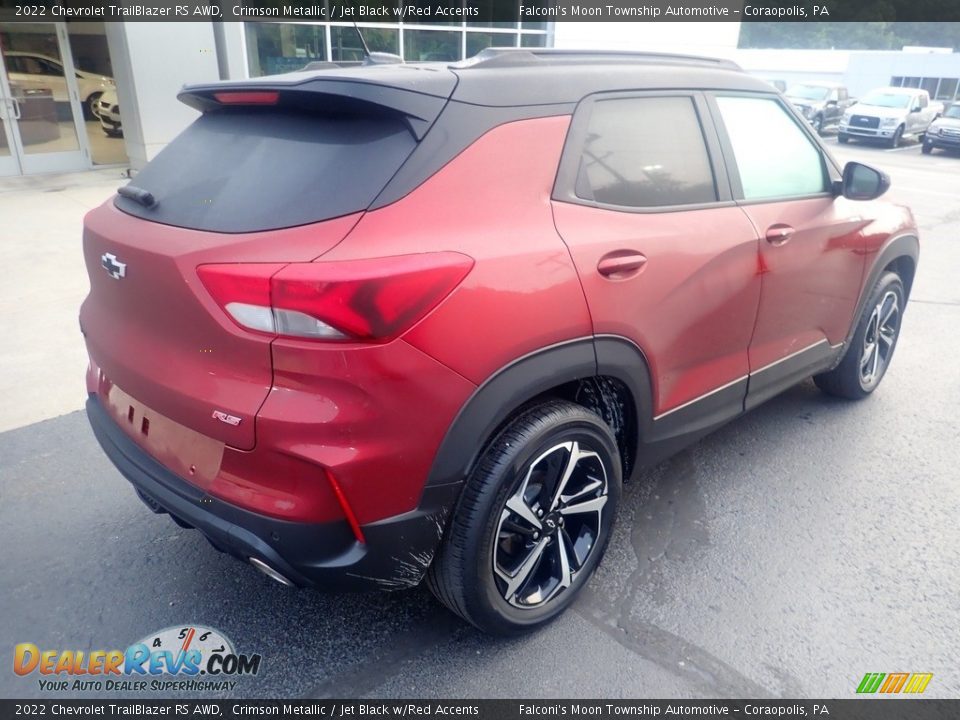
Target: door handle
778 234
621 264
15 105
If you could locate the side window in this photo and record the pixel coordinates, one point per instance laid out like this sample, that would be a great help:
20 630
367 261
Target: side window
645 152
50 68
775 158
30 66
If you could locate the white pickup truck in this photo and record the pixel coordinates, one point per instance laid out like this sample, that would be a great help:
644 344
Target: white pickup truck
889 114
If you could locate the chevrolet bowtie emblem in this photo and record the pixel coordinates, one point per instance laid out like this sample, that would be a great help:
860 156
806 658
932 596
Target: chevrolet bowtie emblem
114 267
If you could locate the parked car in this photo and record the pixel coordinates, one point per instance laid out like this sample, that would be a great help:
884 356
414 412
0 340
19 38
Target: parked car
107 110
944 132
34 71
889 114
443 364
821 103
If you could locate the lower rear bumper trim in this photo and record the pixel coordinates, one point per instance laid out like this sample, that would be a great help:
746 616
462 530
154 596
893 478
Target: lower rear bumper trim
396 553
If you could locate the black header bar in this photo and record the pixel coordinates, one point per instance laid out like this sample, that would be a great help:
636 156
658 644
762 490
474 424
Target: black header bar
456 11
873 709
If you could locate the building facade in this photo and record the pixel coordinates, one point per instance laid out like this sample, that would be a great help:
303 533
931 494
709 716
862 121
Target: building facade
53 74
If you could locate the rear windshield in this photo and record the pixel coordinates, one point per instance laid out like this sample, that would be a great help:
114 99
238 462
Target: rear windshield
243 170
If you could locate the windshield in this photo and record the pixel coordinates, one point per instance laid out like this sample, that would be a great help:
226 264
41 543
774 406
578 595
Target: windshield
808 92
952 112
879 98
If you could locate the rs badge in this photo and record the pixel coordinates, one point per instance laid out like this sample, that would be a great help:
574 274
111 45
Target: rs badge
224 418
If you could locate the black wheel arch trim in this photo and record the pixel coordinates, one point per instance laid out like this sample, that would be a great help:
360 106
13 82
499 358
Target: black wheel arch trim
499 396
540 371
901 246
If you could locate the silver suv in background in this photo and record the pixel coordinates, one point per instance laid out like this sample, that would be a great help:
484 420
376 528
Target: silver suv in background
944 132
889 114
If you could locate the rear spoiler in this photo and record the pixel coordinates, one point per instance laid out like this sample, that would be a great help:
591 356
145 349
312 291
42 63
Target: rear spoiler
416 95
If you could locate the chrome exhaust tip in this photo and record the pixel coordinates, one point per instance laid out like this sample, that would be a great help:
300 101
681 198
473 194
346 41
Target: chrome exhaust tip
270 572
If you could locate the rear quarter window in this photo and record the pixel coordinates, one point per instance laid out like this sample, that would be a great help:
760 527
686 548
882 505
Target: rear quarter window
252 169
645 153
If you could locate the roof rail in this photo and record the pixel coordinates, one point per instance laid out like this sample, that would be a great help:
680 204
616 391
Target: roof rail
516 57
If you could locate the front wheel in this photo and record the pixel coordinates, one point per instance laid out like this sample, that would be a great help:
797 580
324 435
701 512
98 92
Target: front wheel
927 148
90 106
533 520
871 349
897 137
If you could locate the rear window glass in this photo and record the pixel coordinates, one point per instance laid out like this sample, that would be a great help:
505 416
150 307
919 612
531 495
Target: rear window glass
645 152
244 170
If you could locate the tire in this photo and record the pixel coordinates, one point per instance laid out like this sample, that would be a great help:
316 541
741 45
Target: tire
510 572
89 104
818 124
894 142
927 148
843 138
871 349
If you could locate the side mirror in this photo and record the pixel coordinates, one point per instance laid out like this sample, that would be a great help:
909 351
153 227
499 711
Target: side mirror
831 103
862 182
915 108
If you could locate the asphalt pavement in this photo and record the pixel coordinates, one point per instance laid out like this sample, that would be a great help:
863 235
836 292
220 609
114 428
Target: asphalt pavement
786 555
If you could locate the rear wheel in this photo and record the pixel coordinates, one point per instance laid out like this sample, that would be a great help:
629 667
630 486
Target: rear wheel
871 349
533 521
818 124
843 138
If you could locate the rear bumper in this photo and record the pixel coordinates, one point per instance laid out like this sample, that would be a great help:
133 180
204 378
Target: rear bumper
395 554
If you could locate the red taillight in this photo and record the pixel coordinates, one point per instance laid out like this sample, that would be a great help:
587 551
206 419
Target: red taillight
247 97
359 300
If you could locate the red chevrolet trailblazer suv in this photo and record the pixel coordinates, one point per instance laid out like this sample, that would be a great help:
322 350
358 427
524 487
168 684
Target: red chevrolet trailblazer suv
366 326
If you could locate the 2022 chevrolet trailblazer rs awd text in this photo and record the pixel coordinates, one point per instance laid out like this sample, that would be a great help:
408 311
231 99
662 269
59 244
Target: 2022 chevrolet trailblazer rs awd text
366 326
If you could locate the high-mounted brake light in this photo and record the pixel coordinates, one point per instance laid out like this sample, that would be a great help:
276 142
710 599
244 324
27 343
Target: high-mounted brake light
358 300
247 97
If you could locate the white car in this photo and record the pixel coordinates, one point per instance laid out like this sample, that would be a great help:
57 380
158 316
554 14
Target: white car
107 110
33 71
889 114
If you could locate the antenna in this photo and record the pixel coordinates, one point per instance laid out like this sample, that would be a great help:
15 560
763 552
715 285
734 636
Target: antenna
366 50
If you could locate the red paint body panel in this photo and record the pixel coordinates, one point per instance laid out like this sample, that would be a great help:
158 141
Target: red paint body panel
158 334
811 282
692 305
491 202
373 415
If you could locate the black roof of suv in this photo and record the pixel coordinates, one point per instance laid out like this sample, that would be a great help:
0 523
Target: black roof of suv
464 100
